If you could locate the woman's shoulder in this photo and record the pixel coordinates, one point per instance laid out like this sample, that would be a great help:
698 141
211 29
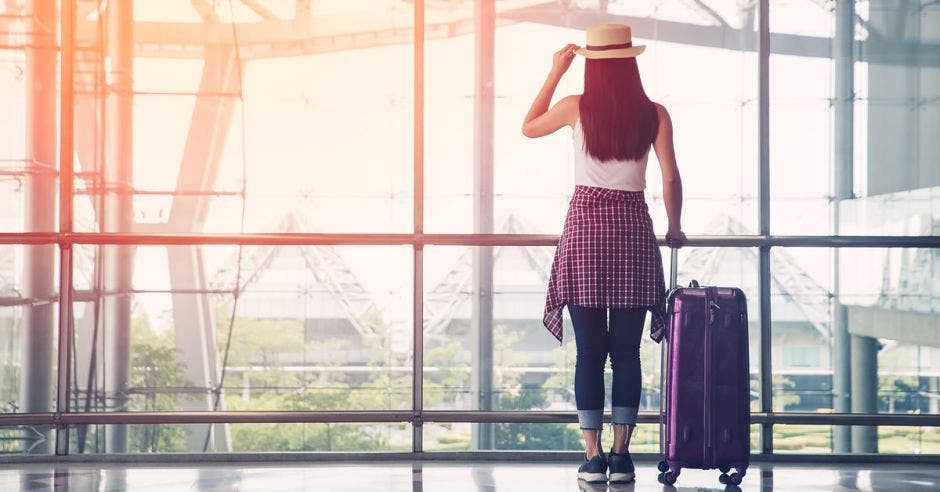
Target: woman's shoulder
663 114
660 108
571 100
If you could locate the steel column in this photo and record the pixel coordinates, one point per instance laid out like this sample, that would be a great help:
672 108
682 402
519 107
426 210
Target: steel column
481 326
763 173
117 261
66 166
64 363
842 177
417 381
40 194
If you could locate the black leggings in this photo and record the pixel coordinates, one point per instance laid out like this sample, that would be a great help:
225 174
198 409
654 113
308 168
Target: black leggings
594 342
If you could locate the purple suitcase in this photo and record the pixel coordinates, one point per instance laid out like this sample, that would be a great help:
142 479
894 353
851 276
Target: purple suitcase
706 395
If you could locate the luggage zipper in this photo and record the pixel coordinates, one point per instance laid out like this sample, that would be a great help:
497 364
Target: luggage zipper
711 307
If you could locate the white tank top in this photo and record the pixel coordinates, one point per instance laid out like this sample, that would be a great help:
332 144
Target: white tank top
627 175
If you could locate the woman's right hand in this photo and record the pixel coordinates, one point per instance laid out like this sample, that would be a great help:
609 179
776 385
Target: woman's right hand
561 60
675 238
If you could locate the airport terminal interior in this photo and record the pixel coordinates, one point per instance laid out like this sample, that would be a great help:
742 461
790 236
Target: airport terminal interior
304 244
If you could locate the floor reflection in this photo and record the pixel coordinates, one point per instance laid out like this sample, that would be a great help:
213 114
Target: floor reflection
447 477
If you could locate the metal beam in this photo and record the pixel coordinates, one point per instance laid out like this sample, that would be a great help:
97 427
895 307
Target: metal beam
259 8
208 130
192 316
873 50
305 34
910 327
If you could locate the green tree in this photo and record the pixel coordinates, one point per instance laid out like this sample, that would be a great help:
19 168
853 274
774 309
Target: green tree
267 342
155 366
513 396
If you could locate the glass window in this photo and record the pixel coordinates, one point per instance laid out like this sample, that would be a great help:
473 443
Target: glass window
851 114
312 328
283 118
887 297
246 438
29 311
28 142
533 178
304 128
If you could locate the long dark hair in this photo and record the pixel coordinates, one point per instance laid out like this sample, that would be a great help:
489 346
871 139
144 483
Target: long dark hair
618 120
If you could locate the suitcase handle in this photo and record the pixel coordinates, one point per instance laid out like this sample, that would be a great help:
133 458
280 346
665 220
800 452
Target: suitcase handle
664 355
673 267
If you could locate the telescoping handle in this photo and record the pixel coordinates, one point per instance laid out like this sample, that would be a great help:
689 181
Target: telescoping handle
673 267
664 356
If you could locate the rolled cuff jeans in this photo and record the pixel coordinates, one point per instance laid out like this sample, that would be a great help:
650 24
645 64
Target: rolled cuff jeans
595 339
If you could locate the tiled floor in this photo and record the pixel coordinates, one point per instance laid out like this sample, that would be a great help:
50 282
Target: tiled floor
445 476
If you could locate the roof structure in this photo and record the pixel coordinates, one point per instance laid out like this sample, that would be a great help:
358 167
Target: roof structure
320 275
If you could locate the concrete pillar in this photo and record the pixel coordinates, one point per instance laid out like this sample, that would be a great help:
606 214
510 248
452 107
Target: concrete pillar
841 373
196 343
481 326
864 391
842 170
40 216
933 387
118 261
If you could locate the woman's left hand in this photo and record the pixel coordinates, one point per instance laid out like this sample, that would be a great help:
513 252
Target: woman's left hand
562 58
675 238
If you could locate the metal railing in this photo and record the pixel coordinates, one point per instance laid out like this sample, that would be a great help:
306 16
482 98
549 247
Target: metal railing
420 240
417 416
429 416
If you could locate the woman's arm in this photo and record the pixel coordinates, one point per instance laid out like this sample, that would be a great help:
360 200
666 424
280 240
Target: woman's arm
540 120
672 182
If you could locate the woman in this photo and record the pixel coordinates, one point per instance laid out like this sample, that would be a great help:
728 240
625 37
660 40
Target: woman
607 257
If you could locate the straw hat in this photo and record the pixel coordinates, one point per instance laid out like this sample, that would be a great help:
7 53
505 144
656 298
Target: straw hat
609 41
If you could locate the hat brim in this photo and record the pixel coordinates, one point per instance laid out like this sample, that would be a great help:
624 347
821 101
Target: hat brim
617 53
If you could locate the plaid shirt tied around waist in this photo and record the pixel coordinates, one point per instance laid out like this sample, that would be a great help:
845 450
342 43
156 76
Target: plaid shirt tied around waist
606 257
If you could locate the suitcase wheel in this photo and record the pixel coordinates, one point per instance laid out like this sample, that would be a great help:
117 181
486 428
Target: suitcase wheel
663 466
724 469
667 478
733 479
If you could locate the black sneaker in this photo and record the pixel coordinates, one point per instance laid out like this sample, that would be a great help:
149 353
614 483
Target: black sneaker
593 470
621 467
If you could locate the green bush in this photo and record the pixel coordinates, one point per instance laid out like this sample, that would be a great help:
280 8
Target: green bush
453 439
